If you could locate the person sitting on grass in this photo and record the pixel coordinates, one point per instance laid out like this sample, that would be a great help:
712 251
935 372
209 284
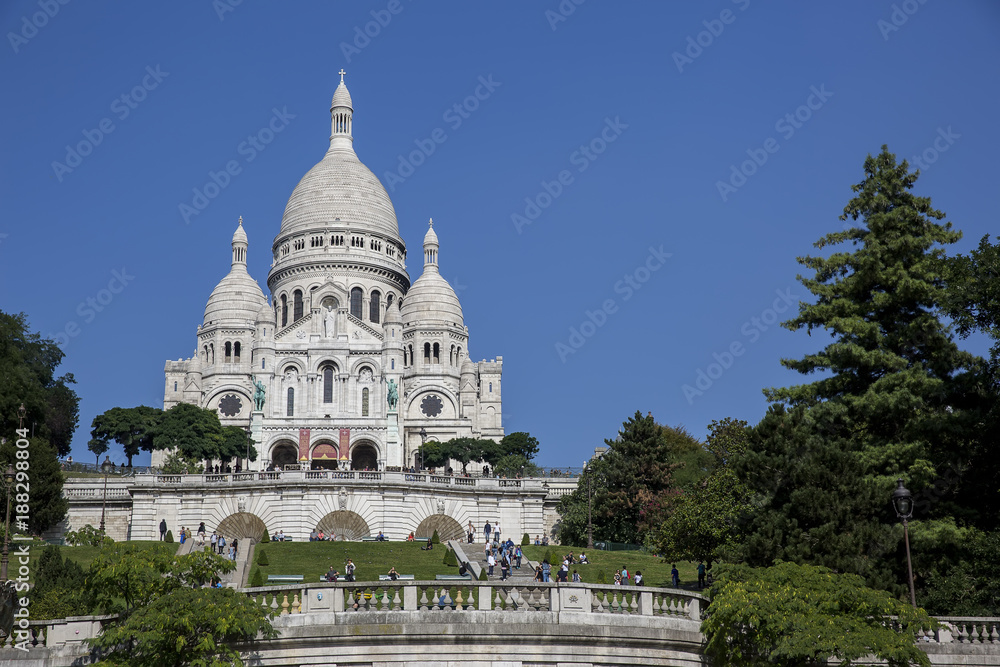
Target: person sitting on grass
583 559
430 545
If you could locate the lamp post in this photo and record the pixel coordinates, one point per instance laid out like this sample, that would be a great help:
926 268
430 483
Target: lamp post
902 502
423 439
590 524
106 467
8 480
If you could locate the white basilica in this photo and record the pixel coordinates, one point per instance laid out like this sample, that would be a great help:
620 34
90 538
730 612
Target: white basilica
357 366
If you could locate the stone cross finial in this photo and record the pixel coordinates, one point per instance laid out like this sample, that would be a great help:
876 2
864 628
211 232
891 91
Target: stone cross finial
241 221
430 222
342 73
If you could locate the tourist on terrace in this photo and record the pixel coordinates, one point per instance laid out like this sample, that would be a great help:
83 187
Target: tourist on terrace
221 544
409 538
321 536
349 569
583 559
381 537
638 578
201 534
504 567
491 563
281 535
675 576
393 575
546 570
213 541
313 536
576 577
538 574
332 575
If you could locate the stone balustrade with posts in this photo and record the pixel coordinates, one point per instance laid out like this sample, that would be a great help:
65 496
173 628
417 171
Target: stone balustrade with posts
484 623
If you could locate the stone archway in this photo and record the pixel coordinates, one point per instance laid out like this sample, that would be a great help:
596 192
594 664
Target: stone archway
344 525
364 457
284 453
447 528
242 525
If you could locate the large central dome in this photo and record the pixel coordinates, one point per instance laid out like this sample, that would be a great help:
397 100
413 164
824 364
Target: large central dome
340 191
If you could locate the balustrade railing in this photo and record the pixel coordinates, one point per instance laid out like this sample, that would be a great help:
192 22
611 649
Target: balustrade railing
964 630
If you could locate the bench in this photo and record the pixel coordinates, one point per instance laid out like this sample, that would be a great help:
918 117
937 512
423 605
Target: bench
285 578
385 577
420 539
452 577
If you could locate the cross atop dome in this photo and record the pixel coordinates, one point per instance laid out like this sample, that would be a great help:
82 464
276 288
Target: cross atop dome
341 115
342 73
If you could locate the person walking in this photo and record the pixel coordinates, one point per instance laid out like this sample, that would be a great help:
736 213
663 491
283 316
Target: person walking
472 533
214 541
487 529
222 545
504 567
201 534
701 574
349 569
546 570
675 576
163 529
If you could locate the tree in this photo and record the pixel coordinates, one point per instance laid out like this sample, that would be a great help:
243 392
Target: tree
518 443
803 615
59 590
178 464
27 365
466 450
433 454
973 295
233 444
514 465
187 626
193 431
631 486
98 447
132 428
706 521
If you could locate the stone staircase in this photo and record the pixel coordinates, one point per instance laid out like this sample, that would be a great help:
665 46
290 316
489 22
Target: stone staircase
476 554
244 556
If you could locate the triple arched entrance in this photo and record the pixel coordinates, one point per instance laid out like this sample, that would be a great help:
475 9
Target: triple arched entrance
363 456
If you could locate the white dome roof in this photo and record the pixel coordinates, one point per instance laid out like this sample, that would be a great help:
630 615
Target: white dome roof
237 299
340 188
431 300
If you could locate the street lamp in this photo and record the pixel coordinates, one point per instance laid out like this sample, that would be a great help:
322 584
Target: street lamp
590 524
902 502
106 467
8 480
423 439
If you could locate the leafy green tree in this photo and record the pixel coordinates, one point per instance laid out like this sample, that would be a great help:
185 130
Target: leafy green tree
706 521
233 444
973 295
187 626
59 589
518 443
434 454
515 465
27 365
630 487
793 615
132 428
177 464
467 450
956 569
98 447
193 431
88 536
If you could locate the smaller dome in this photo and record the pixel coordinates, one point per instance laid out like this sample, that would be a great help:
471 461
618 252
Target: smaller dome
236 299
266 314
392 315
468 368
240 236
431 300
341 97
431 237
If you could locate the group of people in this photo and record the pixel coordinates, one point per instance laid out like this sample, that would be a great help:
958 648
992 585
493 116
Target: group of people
321 536
505 554
349 567
217 542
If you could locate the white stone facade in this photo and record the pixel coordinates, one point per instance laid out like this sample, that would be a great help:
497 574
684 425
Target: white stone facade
343 324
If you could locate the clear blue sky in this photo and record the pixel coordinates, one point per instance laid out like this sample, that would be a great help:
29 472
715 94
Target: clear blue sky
918 76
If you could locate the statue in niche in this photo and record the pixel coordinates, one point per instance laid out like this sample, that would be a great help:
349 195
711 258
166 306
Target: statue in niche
366 375
330 323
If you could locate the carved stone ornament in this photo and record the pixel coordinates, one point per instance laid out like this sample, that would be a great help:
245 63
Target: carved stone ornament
342 499
241 504
440 504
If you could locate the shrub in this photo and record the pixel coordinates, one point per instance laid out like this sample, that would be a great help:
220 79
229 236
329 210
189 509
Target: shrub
600 578
450 559
525 540
435 538
88 536
549 557
482 575
170 537
262 558
257 580
266 538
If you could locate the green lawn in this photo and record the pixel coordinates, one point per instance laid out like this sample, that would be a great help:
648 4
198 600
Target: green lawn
312 559
84 555
654 571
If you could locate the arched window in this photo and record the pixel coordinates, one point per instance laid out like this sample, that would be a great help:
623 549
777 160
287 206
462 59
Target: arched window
406 357
392 366
211 352
284 311
290 407
297 303
236 352
427 353
229 352
364 402
175 386
437 353
491 387
357 299
374 306
263 362
328 384
388 299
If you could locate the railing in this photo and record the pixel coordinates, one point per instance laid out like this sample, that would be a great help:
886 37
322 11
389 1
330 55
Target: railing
478 596
96 491
964 630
